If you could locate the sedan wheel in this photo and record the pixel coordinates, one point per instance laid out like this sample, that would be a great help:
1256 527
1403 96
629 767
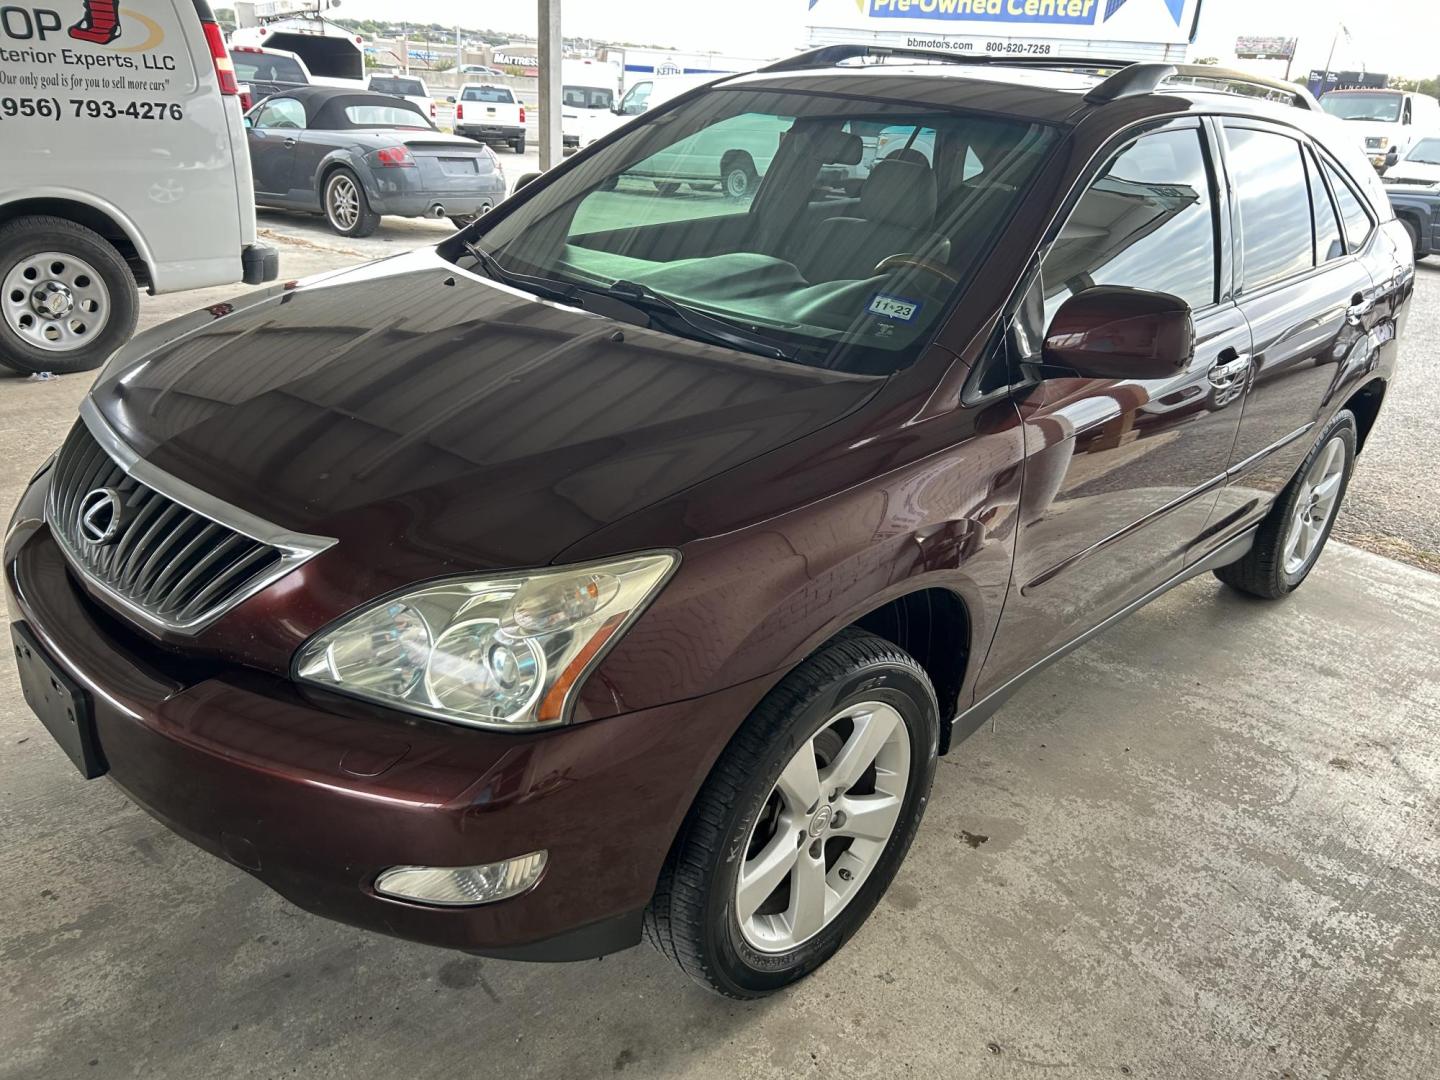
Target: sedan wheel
346 207
1315 508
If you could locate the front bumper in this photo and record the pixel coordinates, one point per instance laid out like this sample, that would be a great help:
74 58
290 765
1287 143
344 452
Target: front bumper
315 794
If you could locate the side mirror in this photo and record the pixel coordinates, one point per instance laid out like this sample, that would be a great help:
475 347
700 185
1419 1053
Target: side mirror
524 179
248 122
450 100
1111 332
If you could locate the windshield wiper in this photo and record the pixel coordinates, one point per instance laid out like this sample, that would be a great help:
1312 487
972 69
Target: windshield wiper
563 291
699 325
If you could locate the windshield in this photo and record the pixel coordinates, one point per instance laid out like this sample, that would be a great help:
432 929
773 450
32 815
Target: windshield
588 97
266 67
770 211
1367 106
385 116
1425 152
400 87
487 93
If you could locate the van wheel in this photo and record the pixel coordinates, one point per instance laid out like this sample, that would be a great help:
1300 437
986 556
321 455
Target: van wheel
346 208
738 176
802 823
1293 534
68 297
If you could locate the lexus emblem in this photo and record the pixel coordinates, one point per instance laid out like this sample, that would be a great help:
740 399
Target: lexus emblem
98 518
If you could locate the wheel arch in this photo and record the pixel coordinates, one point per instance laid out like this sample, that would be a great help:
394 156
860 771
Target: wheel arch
102 217
1365 405
737 156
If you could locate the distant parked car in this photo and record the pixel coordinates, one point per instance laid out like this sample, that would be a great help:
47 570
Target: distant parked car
262 72
490 114
480 69
354 156
405 86
1414 189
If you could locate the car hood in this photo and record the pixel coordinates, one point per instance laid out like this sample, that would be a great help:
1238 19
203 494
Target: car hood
433 421
1412 172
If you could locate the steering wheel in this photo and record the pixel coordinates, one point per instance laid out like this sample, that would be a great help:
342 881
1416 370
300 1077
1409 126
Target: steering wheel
931 266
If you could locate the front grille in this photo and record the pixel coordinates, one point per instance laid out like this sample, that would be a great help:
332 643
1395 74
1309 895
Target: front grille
162 561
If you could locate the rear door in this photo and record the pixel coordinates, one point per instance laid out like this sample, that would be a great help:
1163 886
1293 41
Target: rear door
1306 295
1121 475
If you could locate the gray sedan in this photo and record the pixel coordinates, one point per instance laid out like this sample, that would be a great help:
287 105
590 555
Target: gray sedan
353 156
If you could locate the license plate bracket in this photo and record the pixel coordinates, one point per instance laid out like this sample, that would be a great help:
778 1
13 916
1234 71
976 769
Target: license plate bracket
61 704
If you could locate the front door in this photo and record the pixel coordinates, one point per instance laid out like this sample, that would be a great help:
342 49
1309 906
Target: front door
1121 475
275 128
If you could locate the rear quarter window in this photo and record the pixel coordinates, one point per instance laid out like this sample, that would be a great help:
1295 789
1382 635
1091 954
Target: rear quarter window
1355 219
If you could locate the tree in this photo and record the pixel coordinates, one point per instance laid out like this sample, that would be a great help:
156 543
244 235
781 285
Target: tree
442 65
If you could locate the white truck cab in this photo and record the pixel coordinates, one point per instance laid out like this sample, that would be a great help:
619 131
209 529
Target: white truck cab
125 167
1387 122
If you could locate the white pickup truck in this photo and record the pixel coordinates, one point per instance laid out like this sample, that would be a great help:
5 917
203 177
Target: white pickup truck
490 114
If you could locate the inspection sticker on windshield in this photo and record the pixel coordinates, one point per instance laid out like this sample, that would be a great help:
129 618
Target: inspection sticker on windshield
894 307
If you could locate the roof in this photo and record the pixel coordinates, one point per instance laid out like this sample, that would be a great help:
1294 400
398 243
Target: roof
1055 90
325 105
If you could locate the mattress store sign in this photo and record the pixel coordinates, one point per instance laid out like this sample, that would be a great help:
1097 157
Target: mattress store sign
1153 21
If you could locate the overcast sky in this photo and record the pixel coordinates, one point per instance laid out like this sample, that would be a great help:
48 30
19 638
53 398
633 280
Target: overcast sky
1397 36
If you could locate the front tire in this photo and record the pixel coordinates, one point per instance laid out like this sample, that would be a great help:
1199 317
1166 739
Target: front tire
1293 534
518 146
67 298
346 209
1414 234
802 823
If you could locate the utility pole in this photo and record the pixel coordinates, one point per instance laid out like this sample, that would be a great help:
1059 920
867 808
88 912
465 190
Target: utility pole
459 53
549 49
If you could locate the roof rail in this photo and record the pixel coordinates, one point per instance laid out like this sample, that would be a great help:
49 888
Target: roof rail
1146 79
830 55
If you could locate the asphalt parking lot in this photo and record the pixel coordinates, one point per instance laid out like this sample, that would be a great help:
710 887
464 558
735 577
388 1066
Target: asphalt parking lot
1202 846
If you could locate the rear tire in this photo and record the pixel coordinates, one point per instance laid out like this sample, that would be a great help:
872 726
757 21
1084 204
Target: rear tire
1293 534
738 176
856 721
518 146
68 298
1414 235
346 208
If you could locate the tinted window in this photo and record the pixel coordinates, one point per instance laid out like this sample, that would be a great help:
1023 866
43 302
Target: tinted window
1274 199
385 84
588 97
635 102
487 93
1327 225
265 67
281 113
1148 221
384 116
1352 211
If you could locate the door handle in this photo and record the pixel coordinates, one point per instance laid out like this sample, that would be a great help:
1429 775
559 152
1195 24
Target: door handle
289 143
1360 306
1228 367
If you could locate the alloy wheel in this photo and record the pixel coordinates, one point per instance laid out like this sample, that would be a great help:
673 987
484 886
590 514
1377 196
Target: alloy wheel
55 301
823 827
344 202
1318 501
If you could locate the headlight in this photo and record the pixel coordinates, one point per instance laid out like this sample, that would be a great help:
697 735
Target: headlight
504 651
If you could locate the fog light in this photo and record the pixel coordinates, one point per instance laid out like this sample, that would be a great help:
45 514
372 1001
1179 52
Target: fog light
458 885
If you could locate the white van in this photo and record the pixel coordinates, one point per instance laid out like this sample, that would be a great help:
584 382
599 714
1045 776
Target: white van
125 165
588 91
1387 122
642 96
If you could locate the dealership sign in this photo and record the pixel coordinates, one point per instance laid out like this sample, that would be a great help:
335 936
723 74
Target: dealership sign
1161 21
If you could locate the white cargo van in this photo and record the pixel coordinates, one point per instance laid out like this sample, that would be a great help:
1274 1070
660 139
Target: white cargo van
125 165
588 91
1385 122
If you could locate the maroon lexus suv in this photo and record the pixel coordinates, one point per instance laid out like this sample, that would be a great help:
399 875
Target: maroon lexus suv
621 564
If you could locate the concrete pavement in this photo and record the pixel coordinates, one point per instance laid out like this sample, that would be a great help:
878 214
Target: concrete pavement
1204 846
